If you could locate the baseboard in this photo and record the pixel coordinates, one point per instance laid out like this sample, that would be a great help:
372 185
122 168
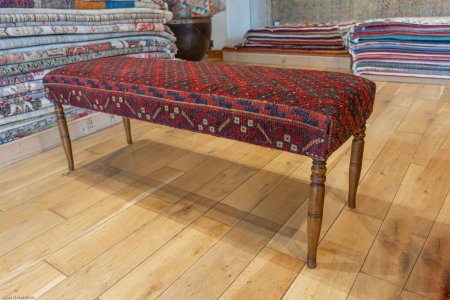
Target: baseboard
322 61
215 54
45 140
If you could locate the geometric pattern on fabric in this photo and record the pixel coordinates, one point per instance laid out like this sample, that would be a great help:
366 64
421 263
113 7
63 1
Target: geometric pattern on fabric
306 112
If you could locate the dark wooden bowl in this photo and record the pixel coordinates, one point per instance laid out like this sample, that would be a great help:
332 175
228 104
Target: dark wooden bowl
193 37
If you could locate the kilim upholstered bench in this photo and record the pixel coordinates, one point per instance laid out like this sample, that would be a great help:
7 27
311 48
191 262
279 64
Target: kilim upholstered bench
305 112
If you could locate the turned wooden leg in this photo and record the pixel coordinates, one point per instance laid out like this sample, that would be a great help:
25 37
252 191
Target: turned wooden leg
64 134
126 124
315 209
355 165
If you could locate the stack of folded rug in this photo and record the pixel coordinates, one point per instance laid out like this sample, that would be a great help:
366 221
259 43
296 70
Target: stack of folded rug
35 41
320 38
83 4
411 47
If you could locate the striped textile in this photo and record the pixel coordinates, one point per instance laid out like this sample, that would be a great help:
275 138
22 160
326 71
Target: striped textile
318 37
408 47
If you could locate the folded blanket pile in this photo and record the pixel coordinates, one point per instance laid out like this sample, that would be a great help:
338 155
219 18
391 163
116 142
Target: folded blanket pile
410 47
37 40
301 37
84 4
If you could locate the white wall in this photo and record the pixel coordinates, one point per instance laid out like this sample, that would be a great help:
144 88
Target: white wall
219 30
230 26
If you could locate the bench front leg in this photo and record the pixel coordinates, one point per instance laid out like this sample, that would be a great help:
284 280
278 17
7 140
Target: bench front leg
127 126
64 134
315 209
356 165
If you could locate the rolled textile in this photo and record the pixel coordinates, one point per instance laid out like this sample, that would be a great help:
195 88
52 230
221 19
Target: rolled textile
30 96
158 19
26 116
18 130
21 78
79 29
17 15
15 69
25 42
21 88
71 49
7 110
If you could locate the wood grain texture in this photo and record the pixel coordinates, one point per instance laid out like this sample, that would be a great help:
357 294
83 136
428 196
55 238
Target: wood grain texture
373 288
431 276
34 282
341 252
64 134
268 276
355 167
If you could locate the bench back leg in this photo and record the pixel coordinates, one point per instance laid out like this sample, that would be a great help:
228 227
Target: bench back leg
356 165
64 134
127 126
315 209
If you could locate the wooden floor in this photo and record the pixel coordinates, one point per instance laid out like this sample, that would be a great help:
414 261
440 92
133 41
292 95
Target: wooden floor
179 215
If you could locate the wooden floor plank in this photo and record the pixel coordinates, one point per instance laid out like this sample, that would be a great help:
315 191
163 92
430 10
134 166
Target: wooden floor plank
431 276
431 142
379 187
72 205
391 88
24 186
268 276
32 283
241 245
424 191
31 252
159 271
17 235
104 271
419 117
150 237
445 94
78 186
382 101
73 257
340 256
381 130
395 250
443 114
407 295
430 92
372 288
446 144
292 238
409 220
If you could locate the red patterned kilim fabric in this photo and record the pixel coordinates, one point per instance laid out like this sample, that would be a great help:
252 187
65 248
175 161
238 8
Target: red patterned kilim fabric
306 112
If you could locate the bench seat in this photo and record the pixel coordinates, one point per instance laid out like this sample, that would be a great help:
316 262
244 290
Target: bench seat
305 112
